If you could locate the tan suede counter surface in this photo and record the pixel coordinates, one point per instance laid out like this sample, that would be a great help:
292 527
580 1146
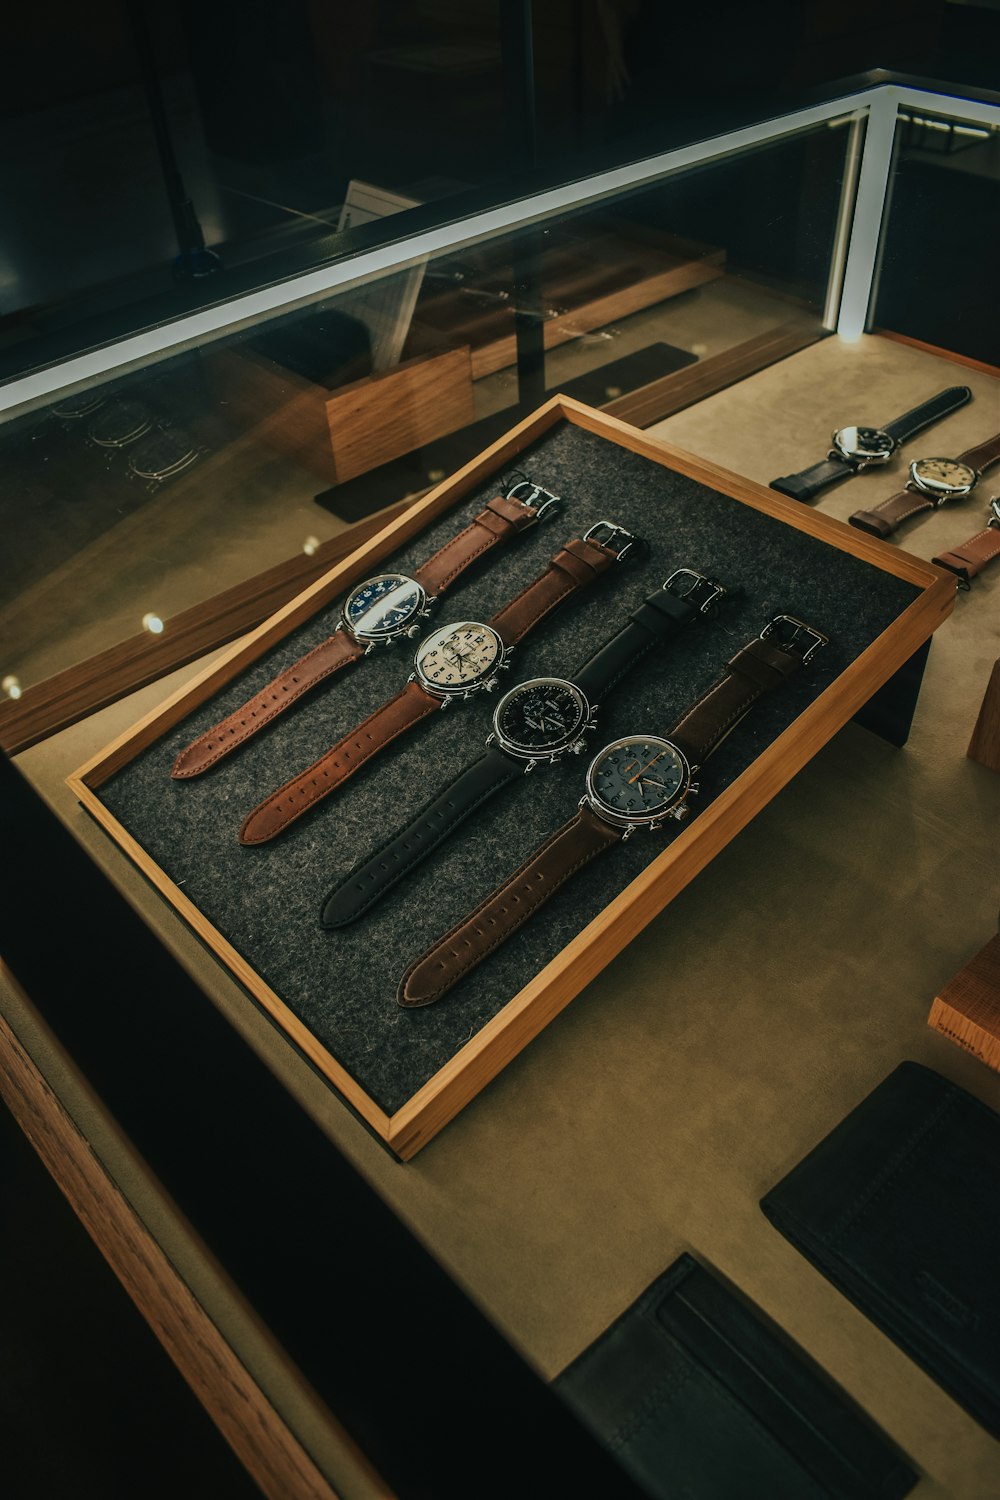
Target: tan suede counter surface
750 1017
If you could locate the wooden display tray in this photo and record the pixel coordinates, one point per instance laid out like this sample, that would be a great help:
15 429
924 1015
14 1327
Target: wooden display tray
492 1047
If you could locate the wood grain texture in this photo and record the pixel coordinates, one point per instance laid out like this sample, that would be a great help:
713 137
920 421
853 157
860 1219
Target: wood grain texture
985 743
69 696
246 1419
528 1012
384 416
967 1010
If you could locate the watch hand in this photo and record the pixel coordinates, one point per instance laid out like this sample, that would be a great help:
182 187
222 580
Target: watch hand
646 767
650 781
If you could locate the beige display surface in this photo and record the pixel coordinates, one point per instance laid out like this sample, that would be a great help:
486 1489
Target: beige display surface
746 1019
490 1048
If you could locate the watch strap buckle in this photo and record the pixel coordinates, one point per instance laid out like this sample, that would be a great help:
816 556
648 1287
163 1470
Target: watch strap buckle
793 635
614 537
535 497
994 513
701 592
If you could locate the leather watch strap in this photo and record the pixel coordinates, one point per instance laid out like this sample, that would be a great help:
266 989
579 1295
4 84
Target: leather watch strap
655 620
502 519
808 483
576 565
369 881
970 557
753 671
882 520
508 908
901 429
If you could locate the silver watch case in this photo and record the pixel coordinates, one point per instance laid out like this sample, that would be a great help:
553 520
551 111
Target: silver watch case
863 447
487 683
572 743
939 490
675 809
408 627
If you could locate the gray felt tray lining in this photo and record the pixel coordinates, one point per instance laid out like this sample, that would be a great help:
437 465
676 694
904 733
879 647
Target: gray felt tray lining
266 900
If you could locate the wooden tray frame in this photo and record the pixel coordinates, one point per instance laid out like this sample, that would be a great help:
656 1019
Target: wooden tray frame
527 1013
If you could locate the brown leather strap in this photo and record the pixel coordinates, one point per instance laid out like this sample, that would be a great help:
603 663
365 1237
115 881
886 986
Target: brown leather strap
502 913
573 567
984 456
753 671
882 520
336 651
971 557
380 728
501 520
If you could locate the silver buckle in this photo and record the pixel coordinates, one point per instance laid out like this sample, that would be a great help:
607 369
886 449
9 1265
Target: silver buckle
698 581
994 519
608 534
792 631
550 506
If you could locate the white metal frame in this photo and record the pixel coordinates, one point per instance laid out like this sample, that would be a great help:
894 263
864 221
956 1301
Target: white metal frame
852 272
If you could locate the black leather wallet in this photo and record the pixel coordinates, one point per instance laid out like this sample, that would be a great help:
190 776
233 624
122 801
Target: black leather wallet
899 1206
699 1397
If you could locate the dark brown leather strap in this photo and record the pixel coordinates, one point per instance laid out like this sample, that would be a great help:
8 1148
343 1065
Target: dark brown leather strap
573 567
882 520
380 728
753 671
971 557
501 520
336 651
502 913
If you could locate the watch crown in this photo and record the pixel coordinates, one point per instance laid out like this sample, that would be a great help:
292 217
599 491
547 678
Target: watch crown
414 630
680 812
578 747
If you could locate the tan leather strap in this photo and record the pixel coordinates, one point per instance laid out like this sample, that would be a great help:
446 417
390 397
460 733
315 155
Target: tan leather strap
502 519
501 914
971 557
753 671
336 651
573 567
380 728
882 520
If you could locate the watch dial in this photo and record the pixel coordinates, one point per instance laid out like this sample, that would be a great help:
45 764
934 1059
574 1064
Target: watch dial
943 474
638 778
540 715
383 605
457 657
864 442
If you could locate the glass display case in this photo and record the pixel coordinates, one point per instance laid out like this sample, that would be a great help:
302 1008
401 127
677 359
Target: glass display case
727 303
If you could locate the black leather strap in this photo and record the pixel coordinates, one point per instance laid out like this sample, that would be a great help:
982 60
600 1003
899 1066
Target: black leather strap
656 619
808 483
367 883
939 406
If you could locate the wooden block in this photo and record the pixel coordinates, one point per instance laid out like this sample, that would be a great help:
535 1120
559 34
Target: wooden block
967 1011
985 743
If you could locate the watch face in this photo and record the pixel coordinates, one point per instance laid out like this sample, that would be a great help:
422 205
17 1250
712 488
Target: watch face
383 607
540 717
637 780
868 444
459 658
942 476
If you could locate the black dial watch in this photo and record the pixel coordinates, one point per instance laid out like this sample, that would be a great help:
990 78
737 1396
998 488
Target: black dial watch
858 448
538 722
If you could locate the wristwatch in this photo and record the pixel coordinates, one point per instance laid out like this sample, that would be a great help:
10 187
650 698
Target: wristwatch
971 557
858 448
120 423
453 663
932 482
539 722
161 455
636 782
386 608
